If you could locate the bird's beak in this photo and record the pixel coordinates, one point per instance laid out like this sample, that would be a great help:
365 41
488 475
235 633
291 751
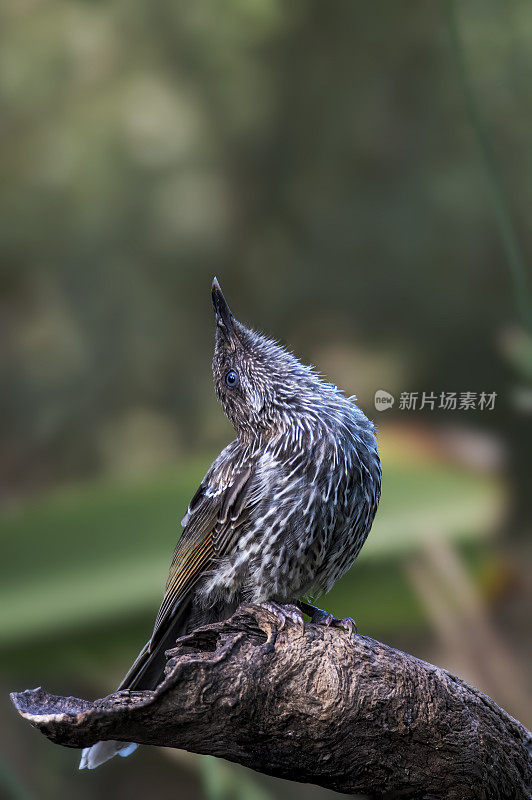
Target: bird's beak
222 313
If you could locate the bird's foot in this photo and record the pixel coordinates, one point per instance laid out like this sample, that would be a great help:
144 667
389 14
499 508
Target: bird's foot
320 617
282 614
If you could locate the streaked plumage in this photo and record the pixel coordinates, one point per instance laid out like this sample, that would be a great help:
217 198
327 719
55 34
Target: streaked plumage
284 509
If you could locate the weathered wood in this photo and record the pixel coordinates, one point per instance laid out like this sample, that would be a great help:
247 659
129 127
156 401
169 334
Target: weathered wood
311 704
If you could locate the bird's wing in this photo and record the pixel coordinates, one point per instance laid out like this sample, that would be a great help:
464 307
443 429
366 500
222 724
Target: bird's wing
212 525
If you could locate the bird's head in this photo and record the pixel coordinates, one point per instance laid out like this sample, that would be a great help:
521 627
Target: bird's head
260 385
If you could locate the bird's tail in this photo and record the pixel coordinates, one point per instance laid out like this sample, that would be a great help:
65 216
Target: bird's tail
146 672
92 757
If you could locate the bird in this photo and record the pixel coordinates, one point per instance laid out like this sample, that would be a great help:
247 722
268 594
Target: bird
284 509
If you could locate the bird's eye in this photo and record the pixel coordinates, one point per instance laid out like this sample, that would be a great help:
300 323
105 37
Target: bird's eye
231 379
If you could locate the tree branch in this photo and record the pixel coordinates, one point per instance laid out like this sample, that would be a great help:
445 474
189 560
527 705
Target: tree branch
311 704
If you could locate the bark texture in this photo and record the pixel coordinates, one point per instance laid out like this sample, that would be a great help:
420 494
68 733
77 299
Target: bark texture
313 704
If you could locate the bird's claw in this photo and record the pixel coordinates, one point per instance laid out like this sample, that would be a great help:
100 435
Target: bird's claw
346 623
320 617
282 613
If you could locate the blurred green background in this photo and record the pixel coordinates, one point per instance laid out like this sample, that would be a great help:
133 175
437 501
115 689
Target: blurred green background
358 176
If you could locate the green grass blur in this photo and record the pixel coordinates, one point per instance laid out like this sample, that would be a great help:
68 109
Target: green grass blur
97 555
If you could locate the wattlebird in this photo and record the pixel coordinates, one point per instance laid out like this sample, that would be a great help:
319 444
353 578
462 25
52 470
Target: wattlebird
283 511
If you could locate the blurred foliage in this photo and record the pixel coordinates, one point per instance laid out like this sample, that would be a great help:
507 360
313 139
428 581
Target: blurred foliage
96 557
328 162
514 255
318 159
